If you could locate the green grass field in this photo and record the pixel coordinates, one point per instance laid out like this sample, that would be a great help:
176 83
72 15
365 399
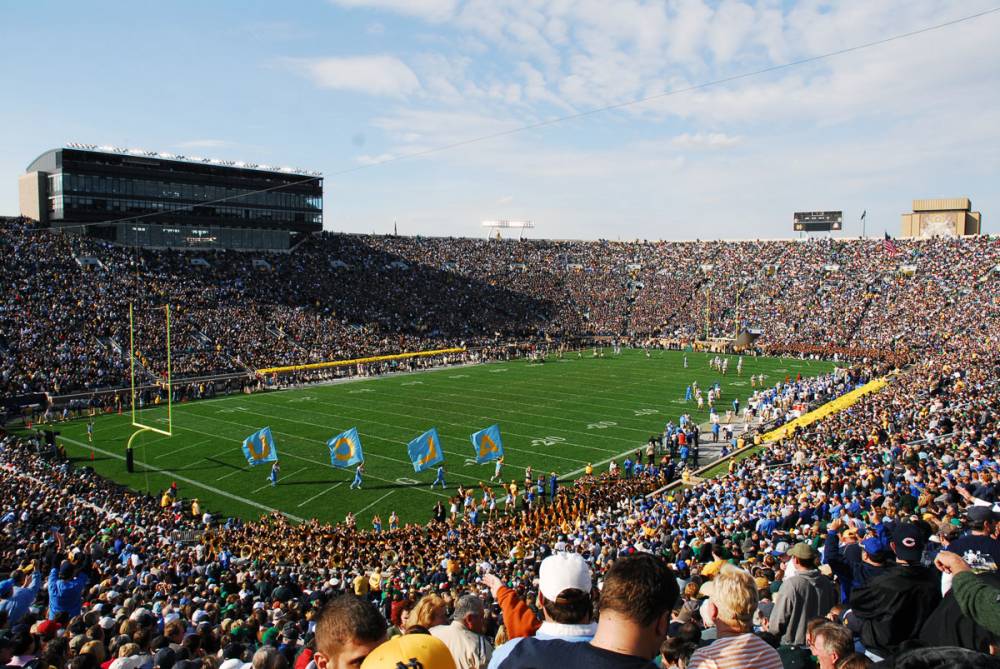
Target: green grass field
556 416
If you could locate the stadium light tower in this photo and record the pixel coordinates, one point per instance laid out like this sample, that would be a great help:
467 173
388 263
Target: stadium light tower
504 224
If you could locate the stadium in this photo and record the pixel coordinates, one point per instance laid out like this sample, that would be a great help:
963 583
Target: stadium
235 434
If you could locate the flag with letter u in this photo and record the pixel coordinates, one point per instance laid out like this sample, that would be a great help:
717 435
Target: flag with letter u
345 449
425 451
488 444
259 447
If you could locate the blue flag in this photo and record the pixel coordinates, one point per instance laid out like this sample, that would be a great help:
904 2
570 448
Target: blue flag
259 447
488 444
425 451
345 449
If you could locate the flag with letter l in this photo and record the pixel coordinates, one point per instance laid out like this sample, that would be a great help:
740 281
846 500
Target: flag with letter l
345 449
425 451
488 444
259 447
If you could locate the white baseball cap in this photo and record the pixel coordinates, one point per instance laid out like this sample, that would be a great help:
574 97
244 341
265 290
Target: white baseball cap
563 571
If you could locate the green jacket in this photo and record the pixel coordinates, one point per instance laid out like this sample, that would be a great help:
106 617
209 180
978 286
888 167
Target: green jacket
978 600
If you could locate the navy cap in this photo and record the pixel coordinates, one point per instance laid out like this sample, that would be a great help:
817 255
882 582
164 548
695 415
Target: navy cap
908 542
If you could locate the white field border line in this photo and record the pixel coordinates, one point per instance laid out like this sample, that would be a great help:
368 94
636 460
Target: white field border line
443 422
180 450
197 484
394 441
335 485
299 457
374 503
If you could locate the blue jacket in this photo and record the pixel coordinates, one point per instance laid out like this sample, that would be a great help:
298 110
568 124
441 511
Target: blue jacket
18 603
66 595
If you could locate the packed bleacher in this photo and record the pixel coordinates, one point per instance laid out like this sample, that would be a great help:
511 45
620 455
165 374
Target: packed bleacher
868 536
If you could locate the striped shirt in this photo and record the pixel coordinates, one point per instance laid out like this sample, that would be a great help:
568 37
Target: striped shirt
745 651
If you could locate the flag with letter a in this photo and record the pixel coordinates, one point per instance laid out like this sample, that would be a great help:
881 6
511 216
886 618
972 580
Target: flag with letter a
425 451
488 444
345 449
259 447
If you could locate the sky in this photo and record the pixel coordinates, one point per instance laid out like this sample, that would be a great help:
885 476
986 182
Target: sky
352 87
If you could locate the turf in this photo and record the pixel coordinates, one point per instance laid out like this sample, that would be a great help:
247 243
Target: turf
556 416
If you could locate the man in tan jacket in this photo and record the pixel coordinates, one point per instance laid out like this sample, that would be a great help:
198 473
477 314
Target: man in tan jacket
464 636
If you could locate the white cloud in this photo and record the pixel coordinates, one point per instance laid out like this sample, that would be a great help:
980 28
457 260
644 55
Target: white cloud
431 10
375 75
707 140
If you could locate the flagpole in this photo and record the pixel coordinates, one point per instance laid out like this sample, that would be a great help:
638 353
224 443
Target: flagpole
863 223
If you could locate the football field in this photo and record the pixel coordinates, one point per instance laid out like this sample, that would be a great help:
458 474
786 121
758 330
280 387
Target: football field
556 417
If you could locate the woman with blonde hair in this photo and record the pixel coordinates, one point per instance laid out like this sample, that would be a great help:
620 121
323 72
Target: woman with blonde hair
430 611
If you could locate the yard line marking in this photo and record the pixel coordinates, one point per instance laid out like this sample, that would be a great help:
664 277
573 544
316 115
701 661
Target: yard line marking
321 493
163 455
238 471
197 484
283 478
374 503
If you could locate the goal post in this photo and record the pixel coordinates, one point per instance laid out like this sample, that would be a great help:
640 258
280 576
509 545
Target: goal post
167 383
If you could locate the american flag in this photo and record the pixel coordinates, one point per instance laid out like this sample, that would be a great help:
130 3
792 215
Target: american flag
889 245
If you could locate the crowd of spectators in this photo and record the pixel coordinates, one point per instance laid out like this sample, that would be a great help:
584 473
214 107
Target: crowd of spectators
65 311
872 535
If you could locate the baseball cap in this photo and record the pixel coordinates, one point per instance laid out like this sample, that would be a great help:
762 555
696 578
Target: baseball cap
871 545
421 650
909 542
981 513
563 571
803 551
48 628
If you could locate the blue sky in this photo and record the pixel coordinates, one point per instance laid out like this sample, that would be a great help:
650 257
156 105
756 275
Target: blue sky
338 85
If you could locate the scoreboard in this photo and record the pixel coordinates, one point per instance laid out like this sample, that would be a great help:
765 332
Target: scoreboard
818 221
